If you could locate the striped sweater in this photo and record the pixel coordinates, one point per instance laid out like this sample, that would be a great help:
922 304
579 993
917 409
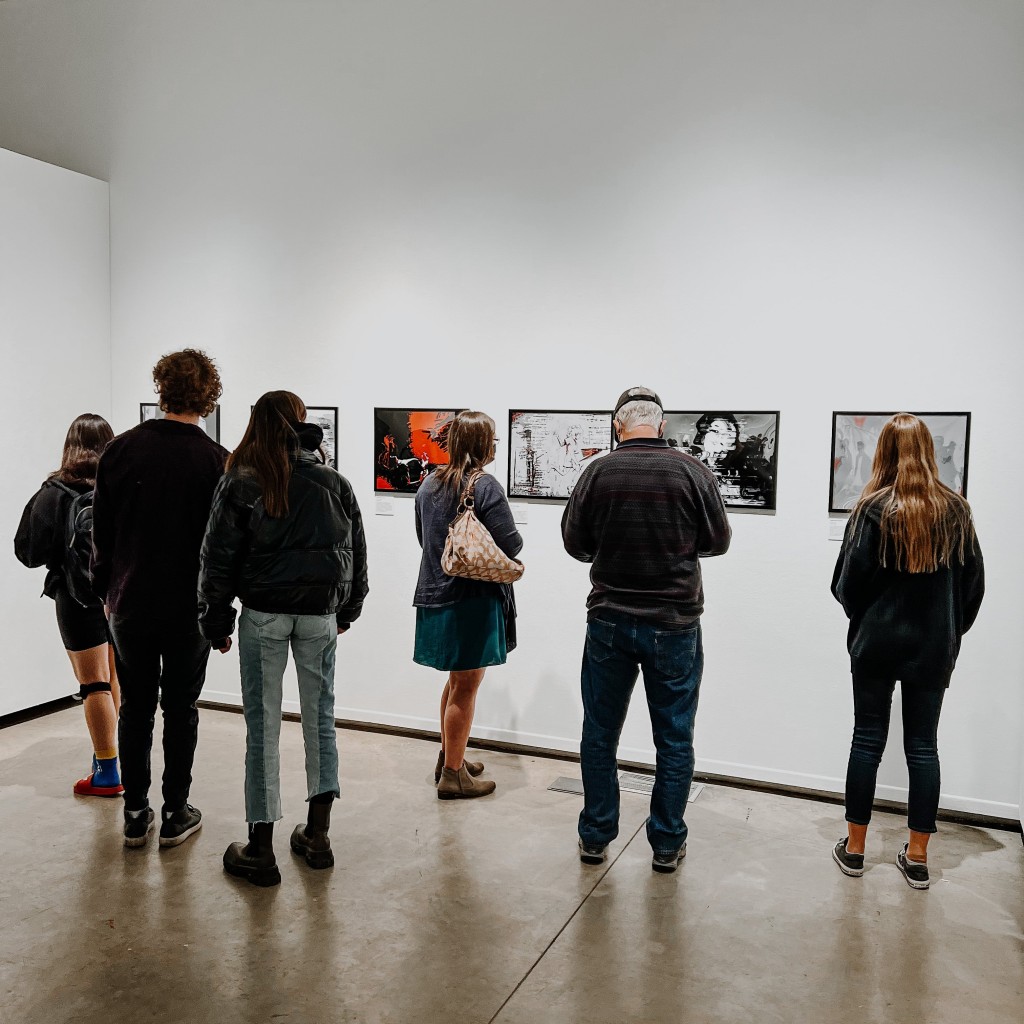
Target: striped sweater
643 516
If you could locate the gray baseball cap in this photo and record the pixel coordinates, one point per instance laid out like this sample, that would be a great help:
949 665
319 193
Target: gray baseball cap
638 395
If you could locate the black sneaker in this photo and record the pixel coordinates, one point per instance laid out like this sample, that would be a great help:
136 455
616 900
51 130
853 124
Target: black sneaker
668 862
178 825
592 853
915 874
137 826
851 864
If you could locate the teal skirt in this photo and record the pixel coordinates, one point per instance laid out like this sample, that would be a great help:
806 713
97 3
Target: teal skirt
462 636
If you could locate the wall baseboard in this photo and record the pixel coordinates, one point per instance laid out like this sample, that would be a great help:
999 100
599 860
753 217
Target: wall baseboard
957 810
39 711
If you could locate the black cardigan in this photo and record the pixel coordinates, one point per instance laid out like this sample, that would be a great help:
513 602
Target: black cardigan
905 625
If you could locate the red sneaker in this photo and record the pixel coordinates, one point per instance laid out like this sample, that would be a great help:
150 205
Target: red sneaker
84 787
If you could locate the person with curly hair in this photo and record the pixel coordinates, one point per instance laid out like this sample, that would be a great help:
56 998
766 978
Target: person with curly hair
154 488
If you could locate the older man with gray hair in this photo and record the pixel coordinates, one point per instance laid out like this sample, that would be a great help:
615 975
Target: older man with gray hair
643 516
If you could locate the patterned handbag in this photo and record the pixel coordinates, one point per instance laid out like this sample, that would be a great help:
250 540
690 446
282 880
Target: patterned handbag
470 550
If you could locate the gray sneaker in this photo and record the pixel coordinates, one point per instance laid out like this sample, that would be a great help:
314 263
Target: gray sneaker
668 862
592 853
851 864
915 874
178 825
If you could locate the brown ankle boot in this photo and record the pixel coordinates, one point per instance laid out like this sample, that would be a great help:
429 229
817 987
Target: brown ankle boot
474 768
460 785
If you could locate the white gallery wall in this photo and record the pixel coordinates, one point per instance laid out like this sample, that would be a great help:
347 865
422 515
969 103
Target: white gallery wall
55 347
795 206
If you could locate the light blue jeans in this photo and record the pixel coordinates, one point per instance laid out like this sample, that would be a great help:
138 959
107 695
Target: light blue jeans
263 642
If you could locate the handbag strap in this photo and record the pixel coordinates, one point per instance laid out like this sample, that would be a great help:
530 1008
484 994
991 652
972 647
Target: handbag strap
467 500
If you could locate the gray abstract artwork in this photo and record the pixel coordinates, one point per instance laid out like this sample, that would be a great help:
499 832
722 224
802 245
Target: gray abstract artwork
855 435
549 450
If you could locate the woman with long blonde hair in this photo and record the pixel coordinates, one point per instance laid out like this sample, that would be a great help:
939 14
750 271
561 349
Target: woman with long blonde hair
910 578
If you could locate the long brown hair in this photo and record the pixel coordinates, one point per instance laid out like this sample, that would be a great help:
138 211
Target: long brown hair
470 448
925 524
87 436
267 445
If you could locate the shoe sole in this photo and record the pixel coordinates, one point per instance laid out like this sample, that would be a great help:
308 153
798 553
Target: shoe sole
852 872
910 881
179 839
105 791
264 879
591 858
462 796
316 860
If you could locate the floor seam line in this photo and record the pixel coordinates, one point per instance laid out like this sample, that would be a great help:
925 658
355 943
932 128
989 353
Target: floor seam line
544 952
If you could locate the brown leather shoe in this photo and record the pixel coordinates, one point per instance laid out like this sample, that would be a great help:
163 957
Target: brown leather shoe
460 785
474 768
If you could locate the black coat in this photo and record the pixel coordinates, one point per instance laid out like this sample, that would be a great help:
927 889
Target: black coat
41 537
310 562
904 625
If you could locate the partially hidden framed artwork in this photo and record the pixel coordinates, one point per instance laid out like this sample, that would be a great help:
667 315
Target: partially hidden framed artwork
548 450
326 418
740 448
408 444
210 424
855 435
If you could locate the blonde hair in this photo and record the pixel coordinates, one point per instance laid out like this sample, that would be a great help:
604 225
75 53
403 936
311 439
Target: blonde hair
925 524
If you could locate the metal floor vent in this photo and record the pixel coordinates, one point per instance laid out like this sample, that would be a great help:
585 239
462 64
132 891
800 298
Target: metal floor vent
634 782
566 785
629 782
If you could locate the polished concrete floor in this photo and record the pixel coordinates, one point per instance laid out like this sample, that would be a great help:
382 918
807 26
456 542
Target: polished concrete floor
478 912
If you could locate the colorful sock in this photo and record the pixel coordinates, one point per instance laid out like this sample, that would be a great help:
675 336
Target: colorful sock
104 770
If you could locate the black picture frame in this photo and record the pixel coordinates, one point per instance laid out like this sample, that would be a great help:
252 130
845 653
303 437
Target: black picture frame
210 425
326 416
575 461
860 467
747 479
398 468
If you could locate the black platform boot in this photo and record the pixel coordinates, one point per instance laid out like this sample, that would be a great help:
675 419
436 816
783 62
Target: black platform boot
311 840
255 860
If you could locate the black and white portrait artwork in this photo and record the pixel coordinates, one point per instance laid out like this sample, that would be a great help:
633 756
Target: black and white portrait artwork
855 435
326 418
548 450
210 424
740 448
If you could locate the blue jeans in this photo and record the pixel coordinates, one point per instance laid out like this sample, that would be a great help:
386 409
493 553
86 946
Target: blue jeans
672 660
872 705
263 642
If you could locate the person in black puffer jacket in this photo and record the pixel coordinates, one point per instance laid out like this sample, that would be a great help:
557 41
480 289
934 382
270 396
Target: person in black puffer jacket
286 537
910 577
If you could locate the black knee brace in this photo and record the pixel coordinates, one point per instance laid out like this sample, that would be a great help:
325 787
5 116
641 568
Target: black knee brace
86 688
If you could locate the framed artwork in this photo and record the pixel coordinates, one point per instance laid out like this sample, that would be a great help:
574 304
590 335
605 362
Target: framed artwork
549 449
855 435
408 444
740 448
210 424
326 418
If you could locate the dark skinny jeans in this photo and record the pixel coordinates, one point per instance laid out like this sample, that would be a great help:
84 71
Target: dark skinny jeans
872 705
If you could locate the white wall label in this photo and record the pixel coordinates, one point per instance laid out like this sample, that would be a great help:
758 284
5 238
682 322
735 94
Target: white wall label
836 529
385 506
520 511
